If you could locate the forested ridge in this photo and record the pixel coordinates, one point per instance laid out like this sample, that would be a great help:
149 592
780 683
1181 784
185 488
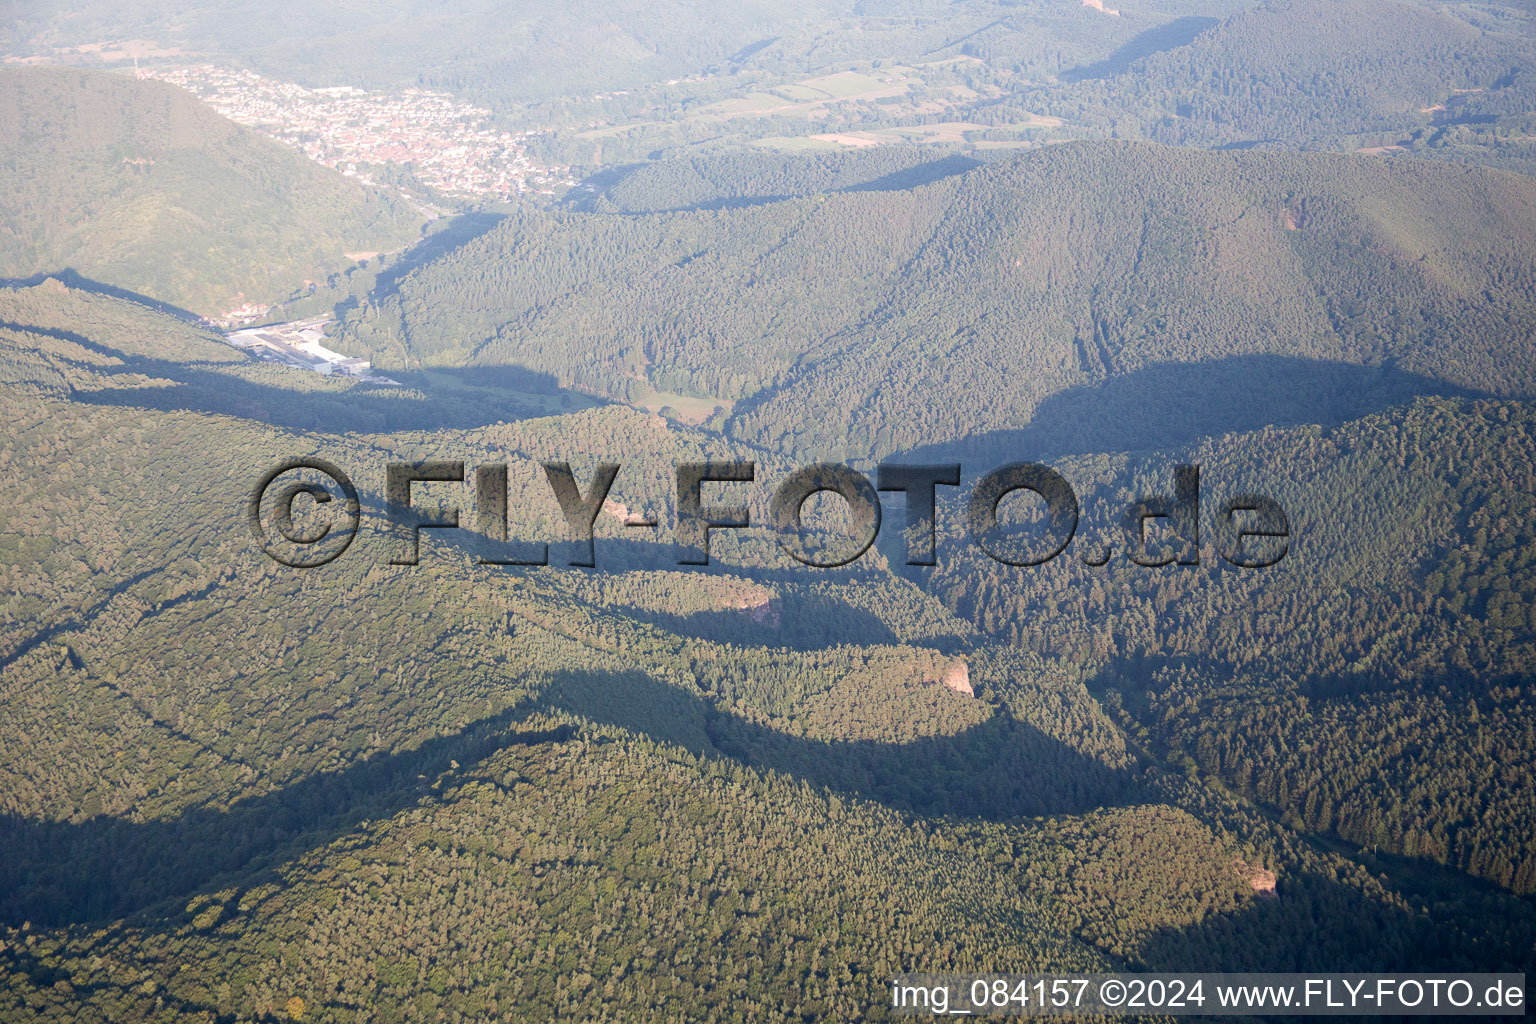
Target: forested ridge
1307 72
817 316
545 768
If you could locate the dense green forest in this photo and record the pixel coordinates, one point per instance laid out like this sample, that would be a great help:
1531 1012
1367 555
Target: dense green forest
809 321
1368 686
317 782
1289 242
140 187
1308 73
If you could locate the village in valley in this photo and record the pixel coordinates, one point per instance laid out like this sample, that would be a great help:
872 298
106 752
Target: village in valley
447 145
450 146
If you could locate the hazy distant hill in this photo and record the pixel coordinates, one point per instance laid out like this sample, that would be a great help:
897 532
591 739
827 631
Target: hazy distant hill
866 321
139 185
1299 71
535 49
545 48
1440 79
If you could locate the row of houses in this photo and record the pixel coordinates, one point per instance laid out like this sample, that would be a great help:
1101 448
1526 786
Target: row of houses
453 147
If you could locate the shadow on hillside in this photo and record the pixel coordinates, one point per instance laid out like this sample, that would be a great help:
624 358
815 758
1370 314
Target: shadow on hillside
1179 32
1314 923
594 197
58 873
799 619
913 177
509 376
1247 144
997 770
1172 404
361 407
751 49
72 278
585 196
456 233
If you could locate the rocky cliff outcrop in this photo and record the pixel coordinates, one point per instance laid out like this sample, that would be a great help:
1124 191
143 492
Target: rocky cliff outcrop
760 606
957 676
1260 880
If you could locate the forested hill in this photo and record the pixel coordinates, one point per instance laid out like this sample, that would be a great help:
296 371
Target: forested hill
965 303
1309 72
541 48
138 185
549 48
235 791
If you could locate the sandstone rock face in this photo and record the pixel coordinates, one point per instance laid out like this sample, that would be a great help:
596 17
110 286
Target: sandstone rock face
957 676
760 607
620 511
1261 880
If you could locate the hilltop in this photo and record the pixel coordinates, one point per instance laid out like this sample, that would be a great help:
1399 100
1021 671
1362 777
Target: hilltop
140 186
